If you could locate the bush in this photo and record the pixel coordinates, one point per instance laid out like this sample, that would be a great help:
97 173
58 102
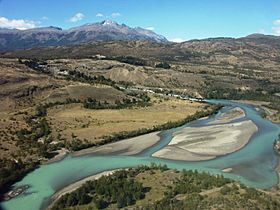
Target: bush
163 65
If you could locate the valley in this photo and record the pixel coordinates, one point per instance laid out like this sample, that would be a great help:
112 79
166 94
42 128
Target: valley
56 106
43 113
73 109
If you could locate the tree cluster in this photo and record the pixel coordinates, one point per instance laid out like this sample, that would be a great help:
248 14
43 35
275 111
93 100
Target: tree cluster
119 188
143 100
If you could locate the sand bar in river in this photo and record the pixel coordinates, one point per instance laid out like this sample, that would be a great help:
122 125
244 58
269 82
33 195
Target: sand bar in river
208 142
131 146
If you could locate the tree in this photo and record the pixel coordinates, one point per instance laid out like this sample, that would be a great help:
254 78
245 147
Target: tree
225 190
71 200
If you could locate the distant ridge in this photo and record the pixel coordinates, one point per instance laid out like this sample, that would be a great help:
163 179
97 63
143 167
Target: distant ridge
13 39
254 51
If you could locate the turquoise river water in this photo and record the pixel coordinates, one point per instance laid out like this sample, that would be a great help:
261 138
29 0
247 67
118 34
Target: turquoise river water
253 165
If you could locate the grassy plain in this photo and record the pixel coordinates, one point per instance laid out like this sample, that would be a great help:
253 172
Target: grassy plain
85 124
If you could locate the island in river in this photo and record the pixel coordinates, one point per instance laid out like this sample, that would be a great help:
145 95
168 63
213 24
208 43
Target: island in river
220 137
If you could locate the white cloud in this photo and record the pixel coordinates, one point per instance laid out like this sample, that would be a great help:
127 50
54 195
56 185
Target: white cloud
178 40
20 24
77 17
276 27
116 14
276 22
150 28
99 15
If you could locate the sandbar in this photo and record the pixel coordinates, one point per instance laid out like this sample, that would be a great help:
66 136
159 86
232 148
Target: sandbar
208 142
131 146
226 117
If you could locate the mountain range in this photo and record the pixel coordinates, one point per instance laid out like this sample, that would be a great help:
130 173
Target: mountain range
111 39
253 51
13 39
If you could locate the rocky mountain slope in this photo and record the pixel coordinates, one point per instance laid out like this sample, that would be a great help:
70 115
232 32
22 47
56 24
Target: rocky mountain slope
251 49
255 51
12 39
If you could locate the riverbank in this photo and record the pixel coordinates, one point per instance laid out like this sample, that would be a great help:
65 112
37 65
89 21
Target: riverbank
269 113
131 146
62 153
76 185
15 192
136 145
277 149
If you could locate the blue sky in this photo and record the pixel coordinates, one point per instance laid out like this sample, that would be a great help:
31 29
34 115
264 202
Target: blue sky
175 19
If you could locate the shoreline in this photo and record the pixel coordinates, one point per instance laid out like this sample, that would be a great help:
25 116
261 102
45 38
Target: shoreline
62 153
74 186
262 105
130 146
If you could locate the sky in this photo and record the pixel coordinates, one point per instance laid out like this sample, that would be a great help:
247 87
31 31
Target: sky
177 20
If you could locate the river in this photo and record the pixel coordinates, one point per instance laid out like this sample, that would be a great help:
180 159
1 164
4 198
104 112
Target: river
253 165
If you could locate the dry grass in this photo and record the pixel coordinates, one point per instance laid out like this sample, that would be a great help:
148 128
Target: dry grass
93 124
9 124
22 89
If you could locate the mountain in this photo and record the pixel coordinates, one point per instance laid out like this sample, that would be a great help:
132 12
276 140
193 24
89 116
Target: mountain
13 39
247 51
253 51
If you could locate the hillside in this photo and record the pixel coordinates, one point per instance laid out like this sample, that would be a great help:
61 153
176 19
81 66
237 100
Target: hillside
157 187
245 68
254 51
